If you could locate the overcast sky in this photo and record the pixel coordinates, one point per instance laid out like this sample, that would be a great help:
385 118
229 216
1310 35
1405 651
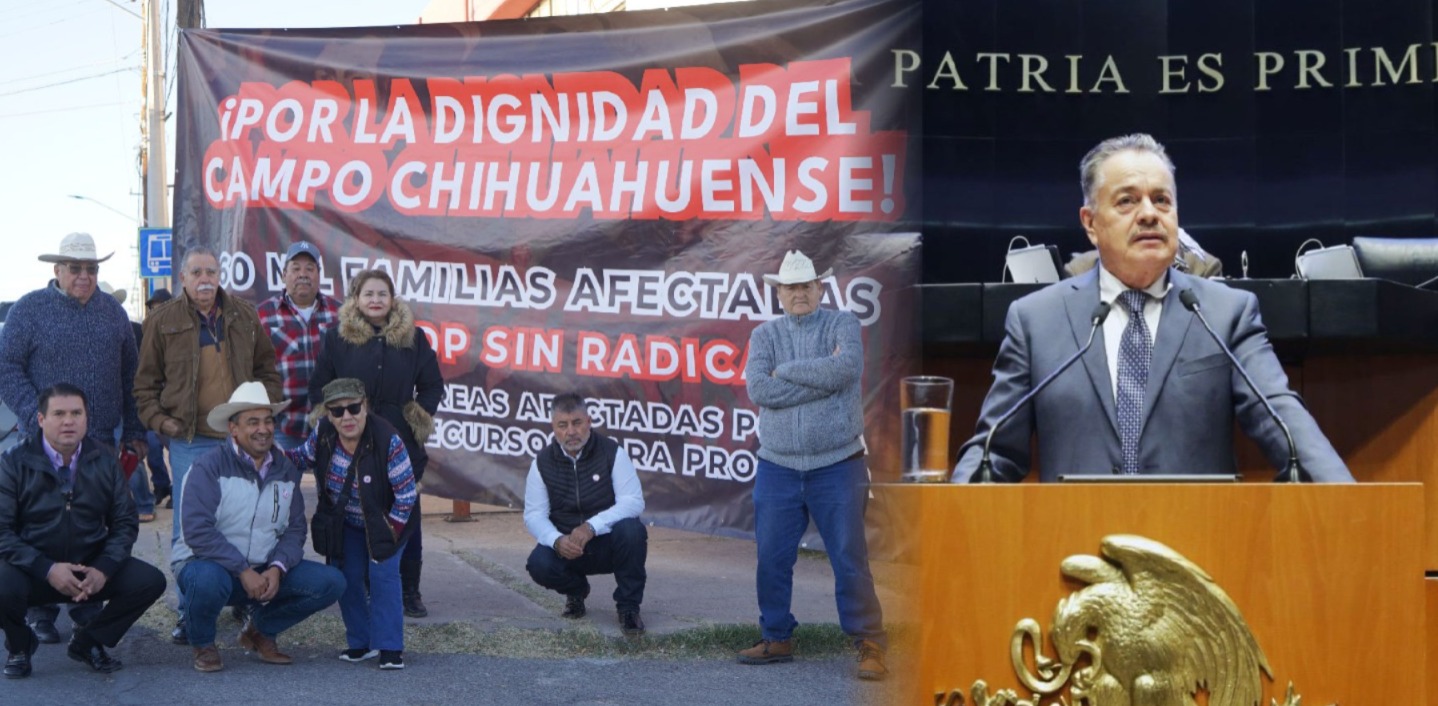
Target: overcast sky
70 108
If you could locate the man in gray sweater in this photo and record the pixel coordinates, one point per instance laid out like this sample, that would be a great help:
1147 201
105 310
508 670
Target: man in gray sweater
805 371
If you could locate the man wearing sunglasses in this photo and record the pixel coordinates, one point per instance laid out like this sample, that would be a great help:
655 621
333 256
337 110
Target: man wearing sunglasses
362 470
68 331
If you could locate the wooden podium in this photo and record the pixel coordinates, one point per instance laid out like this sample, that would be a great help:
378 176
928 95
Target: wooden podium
1329 578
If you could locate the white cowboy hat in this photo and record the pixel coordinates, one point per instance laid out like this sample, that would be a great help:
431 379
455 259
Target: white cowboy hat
796 269
118 294
248 396
76 247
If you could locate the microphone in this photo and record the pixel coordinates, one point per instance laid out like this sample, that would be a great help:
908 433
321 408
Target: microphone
1096 319
1294 470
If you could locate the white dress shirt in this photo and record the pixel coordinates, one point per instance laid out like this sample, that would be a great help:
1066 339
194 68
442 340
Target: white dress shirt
628 500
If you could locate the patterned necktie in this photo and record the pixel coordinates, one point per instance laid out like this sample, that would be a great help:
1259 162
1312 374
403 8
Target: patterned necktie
1134 353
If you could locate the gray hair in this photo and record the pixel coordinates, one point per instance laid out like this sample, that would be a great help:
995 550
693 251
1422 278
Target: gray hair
568 402
1137 142
193 251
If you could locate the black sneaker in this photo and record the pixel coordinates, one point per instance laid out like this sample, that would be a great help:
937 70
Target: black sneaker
178 635
359 654
573 607
391 659
630 624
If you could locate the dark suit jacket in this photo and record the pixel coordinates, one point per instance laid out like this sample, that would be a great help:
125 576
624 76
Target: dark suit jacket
1192 398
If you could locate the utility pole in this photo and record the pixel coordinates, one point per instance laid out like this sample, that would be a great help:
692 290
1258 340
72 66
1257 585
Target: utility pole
154 166
152 161
190 14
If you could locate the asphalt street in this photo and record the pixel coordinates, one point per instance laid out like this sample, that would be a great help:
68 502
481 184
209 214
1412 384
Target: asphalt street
492 636
157 673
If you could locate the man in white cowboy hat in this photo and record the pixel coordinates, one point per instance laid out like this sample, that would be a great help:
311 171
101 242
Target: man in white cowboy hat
63 332
195 350
242 536
804 372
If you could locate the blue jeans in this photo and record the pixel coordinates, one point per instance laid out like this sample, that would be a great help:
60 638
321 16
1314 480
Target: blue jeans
139 483
374 618
835 497
140 491
307 589
287 442
155 459
182 455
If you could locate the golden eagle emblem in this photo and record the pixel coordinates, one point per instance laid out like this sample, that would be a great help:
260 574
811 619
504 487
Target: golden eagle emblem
1149 628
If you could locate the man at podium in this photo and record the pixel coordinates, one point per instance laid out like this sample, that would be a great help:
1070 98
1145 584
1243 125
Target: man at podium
1152 391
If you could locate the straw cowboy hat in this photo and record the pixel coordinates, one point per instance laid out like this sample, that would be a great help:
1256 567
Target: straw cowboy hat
796 269
248 396
75 247
118 294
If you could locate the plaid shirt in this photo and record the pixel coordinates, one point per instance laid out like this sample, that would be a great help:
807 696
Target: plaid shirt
297 345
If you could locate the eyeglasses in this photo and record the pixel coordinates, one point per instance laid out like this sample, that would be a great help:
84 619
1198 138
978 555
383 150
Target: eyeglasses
76 268
339 412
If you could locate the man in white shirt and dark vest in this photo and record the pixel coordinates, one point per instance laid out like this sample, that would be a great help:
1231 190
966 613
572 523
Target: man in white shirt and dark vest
582 502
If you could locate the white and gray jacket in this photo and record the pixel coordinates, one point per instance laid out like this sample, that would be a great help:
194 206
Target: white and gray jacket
230 516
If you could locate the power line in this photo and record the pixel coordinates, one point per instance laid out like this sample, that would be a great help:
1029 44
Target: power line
73 80
126 9
37 9
27 30
109 62
63 110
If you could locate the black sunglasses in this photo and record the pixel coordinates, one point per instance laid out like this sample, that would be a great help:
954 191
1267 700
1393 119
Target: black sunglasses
76 268
339 412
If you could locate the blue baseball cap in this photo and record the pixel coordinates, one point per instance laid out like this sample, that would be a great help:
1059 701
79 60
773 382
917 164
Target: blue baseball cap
303 248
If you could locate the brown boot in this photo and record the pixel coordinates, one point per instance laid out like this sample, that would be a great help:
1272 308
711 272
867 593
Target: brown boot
207 659
871 661
262 645
768 652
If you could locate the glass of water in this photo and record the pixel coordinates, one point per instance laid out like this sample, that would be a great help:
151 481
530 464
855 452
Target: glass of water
925 401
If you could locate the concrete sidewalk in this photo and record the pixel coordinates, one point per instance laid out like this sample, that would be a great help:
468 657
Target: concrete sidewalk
493 637
474 573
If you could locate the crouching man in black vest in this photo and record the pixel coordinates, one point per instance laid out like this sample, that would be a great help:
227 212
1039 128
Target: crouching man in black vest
582 502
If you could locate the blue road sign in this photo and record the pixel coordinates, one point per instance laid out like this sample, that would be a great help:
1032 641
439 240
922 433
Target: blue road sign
155 252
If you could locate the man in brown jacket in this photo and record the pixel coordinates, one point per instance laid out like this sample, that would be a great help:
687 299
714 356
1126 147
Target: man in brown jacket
196 349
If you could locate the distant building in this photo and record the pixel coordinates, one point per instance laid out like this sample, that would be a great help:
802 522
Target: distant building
476 10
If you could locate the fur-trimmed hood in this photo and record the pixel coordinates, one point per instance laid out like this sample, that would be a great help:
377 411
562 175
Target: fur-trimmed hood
398 331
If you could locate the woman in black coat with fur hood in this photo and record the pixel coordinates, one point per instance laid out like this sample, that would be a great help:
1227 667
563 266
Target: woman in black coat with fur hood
377 342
